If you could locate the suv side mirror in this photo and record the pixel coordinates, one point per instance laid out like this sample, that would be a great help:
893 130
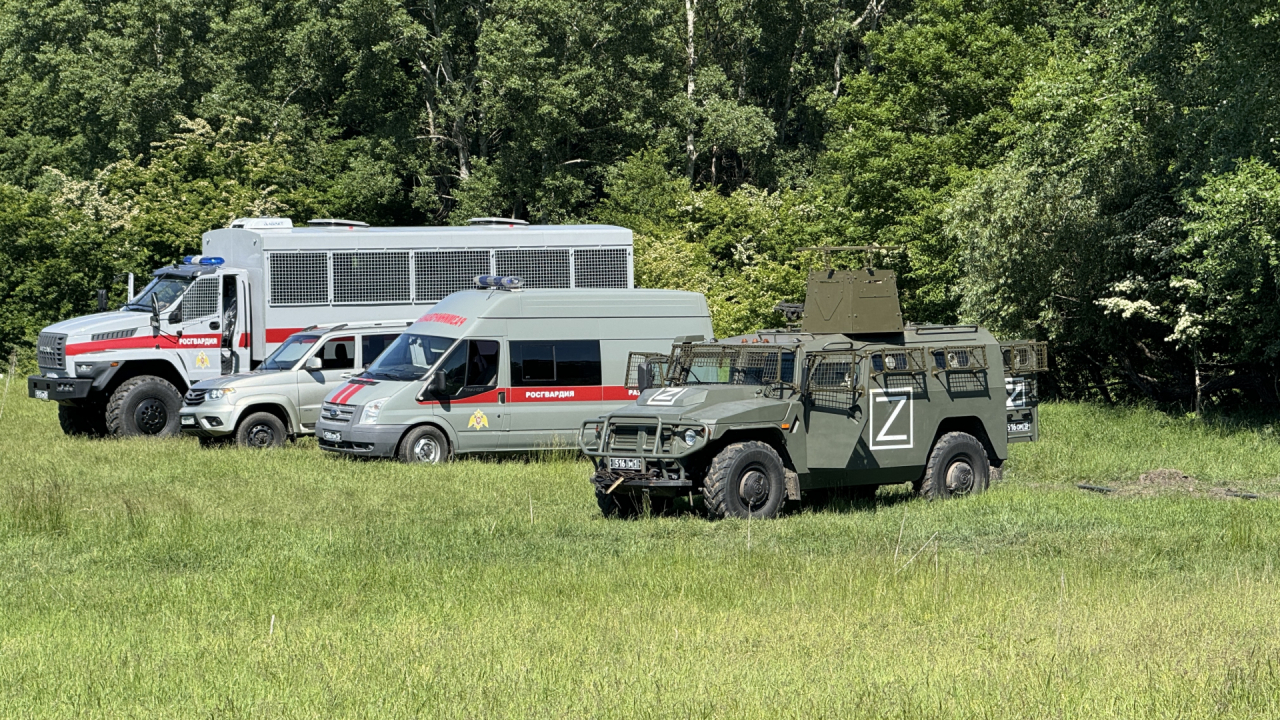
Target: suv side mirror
314 363
644 376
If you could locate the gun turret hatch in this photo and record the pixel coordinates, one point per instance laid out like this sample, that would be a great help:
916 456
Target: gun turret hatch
851 302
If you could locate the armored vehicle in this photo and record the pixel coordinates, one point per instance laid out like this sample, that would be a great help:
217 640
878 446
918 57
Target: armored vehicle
851 398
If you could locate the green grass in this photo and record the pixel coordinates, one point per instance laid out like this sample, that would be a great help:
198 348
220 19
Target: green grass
141 578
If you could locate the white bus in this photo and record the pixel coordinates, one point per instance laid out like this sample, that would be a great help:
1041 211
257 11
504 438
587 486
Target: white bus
262 279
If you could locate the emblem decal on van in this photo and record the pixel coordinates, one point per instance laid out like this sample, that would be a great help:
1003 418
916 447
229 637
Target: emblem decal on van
478 420
444 318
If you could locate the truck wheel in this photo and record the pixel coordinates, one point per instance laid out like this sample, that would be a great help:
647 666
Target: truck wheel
82 420
425 444
261 430
145 405
746 479
957 466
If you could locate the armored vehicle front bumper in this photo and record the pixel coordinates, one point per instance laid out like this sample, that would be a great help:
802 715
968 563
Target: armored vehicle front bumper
642 450
366 440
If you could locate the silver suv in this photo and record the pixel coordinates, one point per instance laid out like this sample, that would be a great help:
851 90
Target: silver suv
280 400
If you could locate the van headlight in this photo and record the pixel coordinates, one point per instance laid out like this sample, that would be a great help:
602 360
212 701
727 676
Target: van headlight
219 393
369 415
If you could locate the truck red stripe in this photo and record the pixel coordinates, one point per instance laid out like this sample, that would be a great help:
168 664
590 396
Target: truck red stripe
164 342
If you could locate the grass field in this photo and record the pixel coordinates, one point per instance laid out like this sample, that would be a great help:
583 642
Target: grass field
155 579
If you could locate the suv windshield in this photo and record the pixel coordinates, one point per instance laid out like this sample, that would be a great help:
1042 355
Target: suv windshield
730 365
166 290
289 352
410 357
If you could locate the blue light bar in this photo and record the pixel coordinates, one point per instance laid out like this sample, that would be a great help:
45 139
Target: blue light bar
202 260
499 282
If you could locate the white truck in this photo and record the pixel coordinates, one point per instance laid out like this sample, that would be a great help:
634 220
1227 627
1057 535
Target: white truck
262 279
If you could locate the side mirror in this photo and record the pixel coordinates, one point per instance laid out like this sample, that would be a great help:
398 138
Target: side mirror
102 301
644 376
433 386
175 317
314 363
155 317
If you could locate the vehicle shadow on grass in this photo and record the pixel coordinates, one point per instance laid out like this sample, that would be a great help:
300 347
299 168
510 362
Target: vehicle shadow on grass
845 500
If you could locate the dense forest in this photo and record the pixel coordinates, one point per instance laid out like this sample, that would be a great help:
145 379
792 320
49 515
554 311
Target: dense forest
1101 175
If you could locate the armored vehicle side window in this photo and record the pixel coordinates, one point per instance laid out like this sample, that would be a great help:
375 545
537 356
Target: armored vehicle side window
338 353
560 363
472 368
732 365
371 346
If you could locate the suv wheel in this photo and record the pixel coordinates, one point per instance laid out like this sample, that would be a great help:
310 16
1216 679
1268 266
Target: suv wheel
957 466
145 405
261 430
425 444
745 479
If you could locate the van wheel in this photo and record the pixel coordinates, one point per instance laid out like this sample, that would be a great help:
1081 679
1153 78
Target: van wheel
746 479
261 430
957 466
82 420
425 444
145 405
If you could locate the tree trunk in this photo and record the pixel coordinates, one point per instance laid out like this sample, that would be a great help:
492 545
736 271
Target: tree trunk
690 14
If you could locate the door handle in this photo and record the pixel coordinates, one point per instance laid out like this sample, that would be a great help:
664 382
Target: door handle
502 399
347 375
214 325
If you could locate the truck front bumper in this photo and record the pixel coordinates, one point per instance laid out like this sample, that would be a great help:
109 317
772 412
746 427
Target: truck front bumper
43 388
366 440
207 421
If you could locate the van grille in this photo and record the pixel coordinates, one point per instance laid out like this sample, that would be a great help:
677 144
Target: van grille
51 351
337 413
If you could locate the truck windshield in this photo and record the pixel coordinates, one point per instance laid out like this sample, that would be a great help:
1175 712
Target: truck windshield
289 352
730 365
167 291
410 357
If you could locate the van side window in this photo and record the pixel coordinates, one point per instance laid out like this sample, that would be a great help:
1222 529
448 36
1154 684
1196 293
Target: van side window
472 370
371 346
338 353
559 363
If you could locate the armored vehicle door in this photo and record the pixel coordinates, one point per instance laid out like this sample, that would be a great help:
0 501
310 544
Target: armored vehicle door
834 416
473 403
198 316
337 356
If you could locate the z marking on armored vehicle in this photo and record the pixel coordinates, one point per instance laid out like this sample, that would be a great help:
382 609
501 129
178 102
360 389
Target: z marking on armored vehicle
852 398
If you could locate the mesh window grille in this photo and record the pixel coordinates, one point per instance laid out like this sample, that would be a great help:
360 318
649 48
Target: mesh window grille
600 268
658 363
440 273
370 277
538 268
833 377
299 278
201 299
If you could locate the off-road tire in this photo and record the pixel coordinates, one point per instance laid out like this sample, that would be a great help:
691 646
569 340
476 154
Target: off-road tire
723 487
82 420
415 447
957 466
261 430
145 405
615 504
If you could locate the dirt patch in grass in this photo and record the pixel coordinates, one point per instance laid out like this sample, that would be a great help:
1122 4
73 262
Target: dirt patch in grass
1170 481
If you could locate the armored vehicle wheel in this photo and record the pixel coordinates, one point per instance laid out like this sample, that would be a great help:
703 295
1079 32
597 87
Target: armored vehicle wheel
745 479
82 420
145 405
957 466
261 430
425 444
619 505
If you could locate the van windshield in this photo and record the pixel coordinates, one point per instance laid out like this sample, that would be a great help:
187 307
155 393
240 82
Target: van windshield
289 352
410 357
167 290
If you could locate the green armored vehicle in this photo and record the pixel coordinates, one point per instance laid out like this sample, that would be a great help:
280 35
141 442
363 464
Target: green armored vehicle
850 399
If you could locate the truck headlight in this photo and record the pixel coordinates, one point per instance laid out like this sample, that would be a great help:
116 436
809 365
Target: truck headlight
219 393
84 369
690 436
369 415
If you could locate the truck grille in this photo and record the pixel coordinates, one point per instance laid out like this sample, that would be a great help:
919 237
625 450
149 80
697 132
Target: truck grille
628 437
337 413
195 396
51 351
